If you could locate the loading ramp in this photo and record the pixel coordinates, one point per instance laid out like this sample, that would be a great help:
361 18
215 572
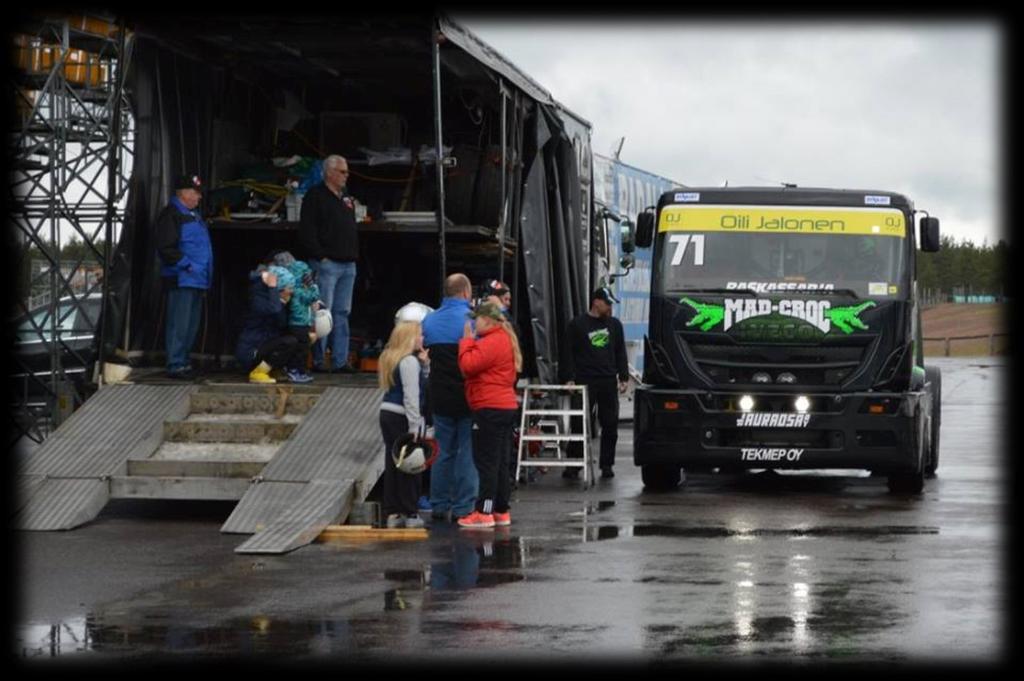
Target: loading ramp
297 458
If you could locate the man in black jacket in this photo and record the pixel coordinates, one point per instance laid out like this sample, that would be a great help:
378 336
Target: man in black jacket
595 356
330 238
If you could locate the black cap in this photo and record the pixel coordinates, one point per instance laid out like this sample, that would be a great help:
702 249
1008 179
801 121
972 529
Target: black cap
188 182
495 288
604 293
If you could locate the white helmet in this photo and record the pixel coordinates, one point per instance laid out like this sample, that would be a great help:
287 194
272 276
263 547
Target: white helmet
412 312
322 323
410 453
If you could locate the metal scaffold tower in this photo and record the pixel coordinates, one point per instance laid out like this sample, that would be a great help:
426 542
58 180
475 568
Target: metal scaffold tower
72 150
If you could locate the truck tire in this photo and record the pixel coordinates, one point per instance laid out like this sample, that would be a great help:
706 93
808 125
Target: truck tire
912 482
934 376
660 477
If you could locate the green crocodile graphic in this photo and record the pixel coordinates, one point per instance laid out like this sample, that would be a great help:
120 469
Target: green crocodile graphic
707 314
848 317
600 339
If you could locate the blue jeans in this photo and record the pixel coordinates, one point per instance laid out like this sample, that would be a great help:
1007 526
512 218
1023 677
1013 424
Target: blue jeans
454 481
336 281
184 308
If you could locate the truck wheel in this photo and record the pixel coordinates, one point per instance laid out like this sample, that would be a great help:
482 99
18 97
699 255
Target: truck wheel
913 482
660 477
934 376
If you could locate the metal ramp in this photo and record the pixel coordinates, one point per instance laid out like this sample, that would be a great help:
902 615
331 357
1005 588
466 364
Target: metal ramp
296 457
331 461
66 482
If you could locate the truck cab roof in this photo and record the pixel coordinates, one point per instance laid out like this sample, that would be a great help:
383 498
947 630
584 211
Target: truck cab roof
794 196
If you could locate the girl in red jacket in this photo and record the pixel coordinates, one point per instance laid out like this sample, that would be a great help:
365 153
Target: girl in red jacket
489 365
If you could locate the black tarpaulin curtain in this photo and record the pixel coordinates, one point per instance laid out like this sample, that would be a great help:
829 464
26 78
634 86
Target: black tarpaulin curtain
552 252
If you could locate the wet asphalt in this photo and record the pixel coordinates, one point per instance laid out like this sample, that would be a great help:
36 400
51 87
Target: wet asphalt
755 566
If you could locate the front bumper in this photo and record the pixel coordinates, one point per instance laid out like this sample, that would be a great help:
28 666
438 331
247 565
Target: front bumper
708 429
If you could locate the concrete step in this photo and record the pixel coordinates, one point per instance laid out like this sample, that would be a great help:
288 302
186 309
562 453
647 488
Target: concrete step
262 401
218 428
183 488
212 460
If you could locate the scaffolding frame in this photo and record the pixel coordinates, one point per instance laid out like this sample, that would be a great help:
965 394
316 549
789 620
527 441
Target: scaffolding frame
72 158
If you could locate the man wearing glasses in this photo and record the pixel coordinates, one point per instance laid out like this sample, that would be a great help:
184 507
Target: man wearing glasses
328 234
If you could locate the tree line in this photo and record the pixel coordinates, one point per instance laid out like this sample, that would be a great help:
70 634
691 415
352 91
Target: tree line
964 268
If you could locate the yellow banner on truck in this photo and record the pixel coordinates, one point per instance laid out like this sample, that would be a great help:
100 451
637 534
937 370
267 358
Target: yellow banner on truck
783 220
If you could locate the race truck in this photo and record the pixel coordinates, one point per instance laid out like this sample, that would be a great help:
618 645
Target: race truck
785 333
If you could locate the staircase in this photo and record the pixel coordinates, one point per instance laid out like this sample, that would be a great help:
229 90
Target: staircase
215 452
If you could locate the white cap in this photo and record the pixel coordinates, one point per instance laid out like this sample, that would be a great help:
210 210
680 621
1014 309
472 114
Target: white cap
412 312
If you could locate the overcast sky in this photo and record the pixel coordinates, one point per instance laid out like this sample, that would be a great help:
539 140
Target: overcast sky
907 107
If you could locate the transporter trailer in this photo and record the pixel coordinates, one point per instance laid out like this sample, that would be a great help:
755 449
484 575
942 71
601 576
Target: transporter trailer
785 333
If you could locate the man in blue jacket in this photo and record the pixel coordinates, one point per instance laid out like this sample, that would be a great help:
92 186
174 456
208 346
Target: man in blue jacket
454 481
186 257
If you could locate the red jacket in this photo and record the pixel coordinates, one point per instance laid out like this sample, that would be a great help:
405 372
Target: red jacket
489 367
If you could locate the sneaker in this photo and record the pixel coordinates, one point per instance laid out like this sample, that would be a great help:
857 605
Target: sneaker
477 520
394 520
607 472
441 516
317 369
257 376
185 374
296 376
503 518
347 369
414 521
571 473
423 504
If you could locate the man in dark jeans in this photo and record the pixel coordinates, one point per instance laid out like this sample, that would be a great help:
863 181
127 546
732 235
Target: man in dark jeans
595 356
330 238
186 267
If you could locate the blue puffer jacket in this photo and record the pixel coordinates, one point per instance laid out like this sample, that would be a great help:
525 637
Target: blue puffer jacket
183 242
266 318
442 330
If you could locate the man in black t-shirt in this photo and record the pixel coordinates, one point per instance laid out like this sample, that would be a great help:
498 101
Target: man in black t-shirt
595 356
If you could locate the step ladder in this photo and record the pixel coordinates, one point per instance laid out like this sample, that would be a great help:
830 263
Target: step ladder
561 437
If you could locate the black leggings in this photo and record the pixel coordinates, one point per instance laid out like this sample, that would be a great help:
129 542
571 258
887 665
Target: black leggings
491 453
282 351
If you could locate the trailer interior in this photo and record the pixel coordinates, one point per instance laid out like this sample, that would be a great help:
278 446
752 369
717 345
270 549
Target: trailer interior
251 103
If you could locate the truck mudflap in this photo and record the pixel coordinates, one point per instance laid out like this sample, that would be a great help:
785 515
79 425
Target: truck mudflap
876 431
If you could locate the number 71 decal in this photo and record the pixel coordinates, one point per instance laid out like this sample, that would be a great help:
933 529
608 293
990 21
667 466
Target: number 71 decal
681 242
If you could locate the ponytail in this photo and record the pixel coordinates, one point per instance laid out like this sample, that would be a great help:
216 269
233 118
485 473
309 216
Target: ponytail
516 352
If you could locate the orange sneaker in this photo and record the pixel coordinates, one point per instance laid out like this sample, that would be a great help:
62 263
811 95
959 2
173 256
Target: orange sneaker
477 520
503 518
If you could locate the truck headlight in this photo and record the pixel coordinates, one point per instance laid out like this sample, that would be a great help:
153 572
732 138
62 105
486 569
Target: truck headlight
746 403
762 377
802 404
785 377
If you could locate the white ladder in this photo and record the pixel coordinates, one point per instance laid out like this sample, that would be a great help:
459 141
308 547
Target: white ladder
564 393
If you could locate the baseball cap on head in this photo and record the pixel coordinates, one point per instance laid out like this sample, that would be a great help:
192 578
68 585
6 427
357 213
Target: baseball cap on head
487 310
604 293
188 182
493 287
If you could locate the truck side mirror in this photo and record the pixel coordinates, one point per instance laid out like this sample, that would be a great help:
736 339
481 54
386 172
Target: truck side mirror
628 233
645 229
929 234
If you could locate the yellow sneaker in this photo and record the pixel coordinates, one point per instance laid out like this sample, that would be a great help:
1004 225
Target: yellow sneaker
259 376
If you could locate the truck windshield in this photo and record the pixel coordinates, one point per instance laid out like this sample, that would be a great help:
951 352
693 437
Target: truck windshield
766 249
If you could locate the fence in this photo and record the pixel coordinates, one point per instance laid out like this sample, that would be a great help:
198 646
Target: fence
975 348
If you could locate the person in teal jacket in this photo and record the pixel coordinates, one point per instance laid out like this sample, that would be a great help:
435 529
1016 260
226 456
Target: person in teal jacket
305 299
